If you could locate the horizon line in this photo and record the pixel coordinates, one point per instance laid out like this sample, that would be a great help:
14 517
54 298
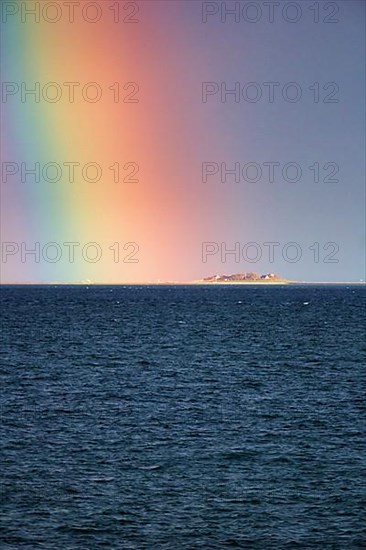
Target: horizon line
177 283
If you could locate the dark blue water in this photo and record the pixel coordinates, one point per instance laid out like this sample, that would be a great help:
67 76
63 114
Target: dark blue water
183 417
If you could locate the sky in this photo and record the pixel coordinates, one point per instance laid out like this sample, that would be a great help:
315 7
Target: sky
169 141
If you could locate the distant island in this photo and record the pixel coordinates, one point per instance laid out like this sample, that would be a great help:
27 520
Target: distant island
249 277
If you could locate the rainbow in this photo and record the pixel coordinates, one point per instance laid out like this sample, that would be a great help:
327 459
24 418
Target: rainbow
104 101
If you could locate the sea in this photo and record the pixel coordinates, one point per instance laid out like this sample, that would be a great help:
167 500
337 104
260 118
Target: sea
183 417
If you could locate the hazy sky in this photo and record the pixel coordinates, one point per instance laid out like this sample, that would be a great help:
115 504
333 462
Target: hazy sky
180 132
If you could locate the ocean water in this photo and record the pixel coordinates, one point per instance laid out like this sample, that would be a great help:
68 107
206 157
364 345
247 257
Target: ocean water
183 417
